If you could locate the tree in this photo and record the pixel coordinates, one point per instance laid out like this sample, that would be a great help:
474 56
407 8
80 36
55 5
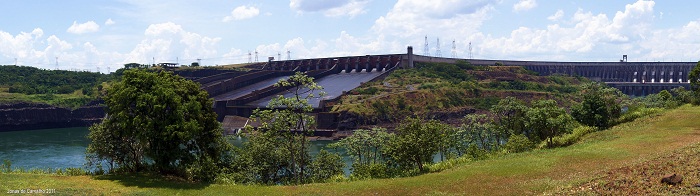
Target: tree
694 78
547 120
326 165
510 116
415 143
158 122
286 121
599 107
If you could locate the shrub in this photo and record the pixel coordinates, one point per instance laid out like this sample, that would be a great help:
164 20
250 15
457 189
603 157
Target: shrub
325 166
447 164
572 138
519 143
373 170
638 113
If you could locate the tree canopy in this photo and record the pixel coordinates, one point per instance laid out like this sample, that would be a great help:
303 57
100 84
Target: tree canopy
158 122
32 80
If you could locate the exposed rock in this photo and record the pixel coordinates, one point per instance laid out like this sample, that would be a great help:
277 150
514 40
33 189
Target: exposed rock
28 116
672 179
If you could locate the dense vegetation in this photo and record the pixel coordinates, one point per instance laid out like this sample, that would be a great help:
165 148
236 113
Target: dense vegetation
32 80
158 122
61 88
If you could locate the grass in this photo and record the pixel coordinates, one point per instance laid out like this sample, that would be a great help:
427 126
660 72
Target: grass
596 159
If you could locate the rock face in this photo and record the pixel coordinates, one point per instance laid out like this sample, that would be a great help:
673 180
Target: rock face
28 116
672 179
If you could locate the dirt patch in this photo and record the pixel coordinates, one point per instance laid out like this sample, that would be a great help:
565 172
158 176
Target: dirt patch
645 178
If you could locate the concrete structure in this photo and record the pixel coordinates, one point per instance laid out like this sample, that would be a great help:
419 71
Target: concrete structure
239 93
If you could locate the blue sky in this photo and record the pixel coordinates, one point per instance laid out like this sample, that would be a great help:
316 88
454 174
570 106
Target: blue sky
87 35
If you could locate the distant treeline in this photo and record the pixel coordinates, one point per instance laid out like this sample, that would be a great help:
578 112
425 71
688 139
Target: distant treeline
32 80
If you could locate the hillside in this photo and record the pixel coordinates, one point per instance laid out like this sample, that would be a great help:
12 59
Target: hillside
62 88
449 91
592 166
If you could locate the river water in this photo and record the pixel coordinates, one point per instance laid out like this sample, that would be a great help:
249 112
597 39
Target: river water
63 148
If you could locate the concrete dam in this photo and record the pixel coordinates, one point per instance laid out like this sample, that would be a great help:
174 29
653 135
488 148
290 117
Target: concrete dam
239 93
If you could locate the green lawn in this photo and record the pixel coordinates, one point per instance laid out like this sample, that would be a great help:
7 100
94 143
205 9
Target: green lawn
536 172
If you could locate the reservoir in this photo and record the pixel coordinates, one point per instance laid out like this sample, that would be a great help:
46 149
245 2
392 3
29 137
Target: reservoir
63 148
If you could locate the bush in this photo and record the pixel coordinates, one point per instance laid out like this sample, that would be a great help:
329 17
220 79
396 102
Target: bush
519 143
447 164
571 138
325 166
373 170
637 113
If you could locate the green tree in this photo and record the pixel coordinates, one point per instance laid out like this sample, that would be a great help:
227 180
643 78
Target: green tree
694 79
326 165
510 116
547 120
160 122
366 147
599 107
415 143
286 120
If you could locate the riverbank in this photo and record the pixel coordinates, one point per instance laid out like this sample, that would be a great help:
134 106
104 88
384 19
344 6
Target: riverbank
32 116
549 171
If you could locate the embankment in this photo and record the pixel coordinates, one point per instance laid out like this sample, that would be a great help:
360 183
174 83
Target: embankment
30 116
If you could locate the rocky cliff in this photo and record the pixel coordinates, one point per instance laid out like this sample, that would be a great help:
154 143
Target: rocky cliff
29 116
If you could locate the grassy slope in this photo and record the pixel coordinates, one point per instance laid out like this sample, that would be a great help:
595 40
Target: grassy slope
541 171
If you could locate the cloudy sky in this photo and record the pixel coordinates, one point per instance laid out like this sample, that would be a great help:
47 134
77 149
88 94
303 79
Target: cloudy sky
87 35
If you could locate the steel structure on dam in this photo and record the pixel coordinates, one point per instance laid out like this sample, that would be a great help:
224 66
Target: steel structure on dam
239 93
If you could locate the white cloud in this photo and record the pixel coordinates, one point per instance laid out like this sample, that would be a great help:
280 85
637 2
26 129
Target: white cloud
588 35
524 5
442 18
557 16
169 42
109 22
241 13
339 8
87 27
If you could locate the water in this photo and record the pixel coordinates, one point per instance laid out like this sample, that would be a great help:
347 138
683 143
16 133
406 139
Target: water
63 148
48 148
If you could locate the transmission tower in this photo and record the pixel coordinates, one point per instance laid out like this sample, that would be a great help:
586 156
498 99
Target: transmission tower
107 69
250 57
279 56
98 69
256 55
438 53
470 50
426 48
289 55
454 48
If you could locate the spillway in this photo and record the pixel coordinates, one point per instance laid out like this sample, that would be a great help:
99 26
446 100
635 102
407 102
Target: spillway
333 85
